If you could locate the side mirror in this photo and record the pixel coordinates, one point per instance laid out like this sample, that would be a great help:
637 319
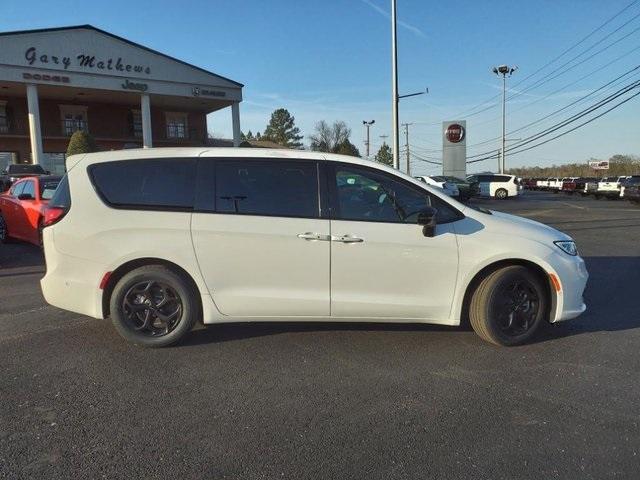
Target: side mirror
25 196
427 218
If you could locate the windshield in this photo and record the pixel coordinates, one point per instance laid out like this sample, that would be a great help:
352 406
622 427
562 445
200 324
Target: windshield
25 168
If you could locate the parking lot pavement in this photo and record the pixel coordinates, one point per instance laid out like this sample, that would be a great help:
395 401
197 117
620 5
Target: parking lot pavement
332 401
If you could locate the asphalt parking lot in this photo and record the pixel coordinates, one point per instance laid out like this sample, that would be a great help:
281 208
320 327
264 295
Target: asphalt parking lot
332 401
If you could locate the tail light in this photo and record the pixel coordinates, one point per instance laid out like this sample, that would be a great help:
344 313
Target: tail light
53 215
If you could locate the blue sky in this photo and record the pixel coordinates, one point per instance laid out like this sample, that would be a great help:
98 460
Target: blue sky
330 60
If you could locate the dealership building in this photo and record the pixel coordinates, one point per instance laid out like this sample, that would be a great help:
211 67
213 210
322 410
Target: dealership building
59 80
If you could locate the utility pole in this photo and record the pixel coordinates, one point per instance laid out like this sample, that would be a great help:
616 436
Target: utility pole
394 88
406 137
366 143
503 70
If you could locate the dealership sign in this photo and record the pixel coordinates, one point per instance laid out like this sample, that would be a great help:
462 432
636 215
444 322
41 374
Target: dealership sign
600 165
455 133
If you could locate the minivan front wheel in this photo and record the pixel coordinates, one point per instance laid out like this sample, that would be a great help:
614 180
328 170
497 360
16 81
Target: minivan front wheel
501 194
508 306
153 306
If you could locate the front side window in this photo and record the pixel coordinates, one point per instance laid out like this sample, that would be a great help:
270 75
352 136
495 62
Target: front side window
29 189
146 184
365 195
264 187
16 189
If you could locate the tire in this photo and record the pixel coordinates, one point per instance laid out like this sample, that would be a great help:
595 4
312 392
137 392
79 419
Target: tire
501 194
40 227
4 231
143 295
597 196
496 295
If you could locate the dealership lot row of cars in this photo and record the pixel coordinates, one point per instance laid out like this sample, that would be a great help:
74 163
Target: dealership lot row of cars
626 187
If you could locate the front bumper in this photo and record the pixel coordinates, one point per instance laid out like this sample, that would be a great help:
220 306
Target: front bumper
573 276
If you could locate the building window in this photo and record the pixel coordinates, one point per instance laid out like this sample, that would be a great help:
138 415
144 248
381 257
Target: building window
176 125
136 123
74 118
4 117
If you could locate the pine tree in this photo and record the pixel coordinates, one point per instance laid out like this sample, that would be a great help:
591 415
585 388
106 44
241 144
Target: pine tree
282 129
384 155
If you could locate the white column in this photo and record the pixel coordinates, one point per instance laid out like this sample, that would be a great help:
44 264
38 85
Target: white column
34 124
235 118
145 113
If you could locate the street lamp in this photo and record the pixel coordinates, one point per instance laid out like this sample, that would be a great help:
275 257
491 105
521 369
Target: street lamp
504 70
366 143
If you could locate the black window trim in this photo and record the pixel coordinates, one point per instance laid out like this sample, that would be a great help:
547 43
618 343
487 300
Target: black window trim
202 204
333 194
135 206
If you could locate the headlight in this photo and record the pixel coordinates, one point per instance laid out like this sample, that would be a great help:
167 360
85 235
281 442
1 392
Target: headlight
567 246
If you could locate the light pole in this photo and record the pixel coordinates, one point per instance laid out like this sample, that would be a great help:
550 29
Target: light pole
366 143
394 87
503 70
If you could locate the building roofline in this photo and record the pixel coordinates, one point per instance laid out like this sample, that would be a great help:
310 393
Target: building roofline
112 35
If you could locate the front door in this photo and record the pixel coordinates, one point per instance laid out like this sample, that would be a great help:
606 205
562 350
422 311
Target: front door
261 242
381 263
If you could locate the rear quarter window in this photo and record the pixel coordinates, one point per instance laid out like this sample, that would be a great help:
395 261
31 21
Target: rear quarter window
146 183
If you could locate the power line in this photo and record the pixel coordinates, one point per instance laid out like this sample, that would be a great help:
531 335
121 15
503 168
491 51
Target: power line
524 127
515 149
472 111
563 71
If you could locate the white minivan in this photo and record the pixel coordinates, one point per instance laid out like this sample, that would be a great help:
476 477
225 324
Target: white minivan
496 185
160 239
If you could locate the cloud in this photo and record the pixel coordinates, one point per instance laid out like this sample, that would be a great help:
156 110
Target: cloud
386 14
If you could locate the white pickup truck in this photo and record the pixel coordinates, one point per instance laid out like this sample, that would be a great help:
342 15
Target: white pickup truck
609 187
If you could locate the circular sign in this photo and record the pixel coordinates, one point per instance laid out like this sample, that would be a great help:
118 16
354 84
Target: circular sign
455 133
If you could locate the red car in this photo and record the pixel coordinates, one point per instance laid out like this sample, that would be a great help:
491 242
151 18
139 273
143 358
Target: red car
22 208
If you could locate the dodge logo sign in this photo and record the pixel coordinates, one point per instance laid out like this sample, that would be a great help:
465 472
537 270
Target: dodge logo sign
455 133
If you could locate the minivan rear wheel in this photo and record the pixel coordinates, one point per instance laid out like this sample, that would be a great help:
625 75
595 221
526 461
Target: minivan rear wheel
153 306
508 306
501 193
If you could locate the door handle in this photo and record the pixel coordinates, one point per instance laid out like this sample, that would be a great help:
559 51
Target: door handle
314 236
348 239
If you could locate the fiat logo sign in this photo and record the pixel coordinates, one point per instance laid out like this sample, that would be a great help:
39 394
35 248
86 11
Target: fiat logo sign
455 133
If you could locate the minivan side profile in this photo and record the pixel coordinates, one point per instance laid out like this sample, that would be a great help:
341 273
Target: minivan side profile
160 239
496 185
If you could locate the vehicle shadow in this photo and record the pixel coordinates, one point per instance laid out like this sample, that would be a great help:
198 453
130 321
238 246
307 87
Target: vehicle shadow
17 254
610 298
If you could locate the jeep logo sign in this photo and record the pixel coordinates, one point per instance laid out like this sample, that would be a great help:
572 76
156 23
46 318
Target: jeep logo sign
455 133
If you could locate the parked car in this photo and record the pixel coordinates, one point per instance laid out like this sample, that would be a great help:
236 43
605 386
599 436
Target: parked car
628 182
530 183
542 184
609 187
496 185
467 189
22 208
591 187
447 187
19 170
632 190
576 184
160 239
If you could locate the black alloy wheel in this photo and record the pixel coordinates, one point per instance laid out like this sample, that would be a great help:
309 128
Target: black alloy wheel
152 308
509 305
516 307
